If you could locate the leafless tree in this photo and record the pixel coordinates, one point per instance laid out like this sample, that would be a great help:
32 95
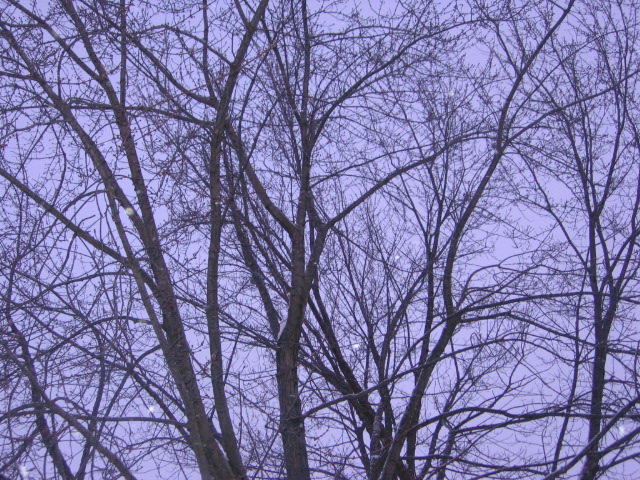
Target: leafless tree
299 240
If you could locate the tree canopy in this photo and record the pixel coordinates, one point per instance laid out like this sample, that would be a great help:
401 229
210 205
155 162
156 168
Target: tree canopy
299 240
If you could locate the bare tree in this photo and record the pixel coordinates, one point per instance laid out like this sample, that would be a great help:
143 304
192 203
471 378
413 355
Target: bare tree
319 240
584 180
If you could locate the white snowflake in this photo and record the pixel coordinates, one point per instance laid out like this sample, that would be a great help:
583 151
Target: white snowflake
129 211
356 346
152 409
451 93
24 473
622 430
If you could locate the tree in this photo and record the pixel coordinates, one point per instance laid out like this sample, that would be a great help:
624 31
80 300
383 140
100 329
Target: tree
293 240
594 162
